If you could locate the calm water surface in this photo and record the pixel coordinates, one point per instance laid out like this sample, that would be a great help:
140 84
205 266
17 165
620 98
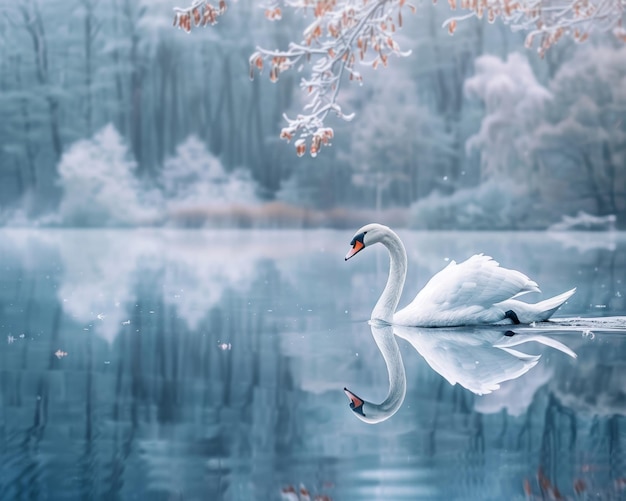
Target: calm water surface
169 365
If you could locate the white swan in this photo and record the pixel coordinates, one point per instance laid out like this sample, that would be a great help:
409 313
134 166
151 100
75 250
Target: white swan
476 291
478 359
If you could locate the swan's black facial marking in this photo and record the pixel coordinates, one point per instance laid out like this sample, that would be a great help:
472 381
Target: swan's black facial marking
509 333
356 404
513 316
358 238
357 245
358 410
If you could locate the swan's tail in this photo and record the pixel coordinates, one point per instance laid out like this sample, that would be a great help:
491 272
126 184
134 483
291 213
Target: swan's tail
537 312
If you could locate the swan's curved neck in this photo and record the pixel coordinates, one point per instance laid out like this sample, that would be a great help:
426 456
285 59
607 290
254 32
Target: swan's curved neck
388 301
375 413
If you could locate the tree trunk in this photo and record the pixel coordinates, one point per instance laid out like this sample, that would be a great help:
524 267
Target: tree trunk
593 185
89 31
133 17
34 26
119 84
26 126
610 173
164 57
136 92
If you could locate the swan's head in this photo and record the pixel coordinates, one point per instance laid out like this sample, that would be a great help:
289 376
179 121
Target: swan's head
356 404
366 236
367 411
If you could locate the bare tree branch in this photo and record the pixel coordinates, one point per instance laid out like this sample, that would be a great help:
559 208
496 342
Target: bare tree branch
546 21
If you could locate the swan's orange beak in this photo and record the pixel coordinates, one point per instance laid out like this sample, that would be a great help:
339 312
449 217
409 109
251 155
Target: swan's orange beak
356 404
358 246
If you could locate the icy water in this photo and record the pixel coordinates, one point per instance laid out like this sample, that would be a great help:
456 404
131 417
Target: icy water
173 365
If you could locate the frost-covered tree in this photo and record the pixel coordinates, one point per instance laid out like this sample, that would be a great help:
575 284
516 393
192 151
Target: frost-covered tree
584 139
573 129
195 177
347 33
99 184
514 103
395 138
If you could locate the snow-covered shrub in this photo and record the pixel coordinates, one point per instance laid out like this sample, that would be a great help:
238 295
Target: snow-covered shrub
99 184
195 177
493 205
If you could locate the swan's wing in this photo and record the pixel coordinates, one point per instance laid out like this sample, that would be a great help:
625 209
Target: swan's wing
469 359
471 286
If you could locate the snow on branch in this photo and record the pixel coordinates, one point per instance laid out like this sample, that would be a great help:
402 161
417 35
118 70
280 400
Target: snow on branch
342 35
546 21
200 13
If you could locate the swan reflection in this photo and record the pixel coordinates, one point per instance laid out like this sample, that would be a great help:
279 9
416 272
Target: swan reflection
479 359
375 413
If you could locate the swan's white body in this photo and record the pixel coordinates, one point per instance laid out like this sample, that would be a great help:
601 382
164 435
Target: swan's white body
476 291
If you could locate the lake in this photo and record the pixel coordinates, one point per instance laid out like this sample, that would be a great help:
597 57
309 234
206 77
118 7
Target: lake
210 365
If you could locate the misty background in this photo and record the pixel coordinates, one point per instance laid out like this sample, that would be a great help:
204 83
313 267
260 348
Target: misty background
111 117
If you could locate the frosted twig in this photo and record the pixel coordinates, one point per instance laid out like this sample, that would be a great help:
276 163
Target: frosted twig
547 21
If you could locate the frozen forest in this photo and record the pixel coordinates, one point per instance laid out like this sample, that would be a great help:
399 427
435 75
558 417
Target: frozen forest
113 117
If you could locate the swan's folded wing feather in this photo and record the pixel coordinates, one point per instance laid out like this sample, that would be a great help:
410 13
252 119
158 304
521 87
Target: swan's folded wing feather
477 281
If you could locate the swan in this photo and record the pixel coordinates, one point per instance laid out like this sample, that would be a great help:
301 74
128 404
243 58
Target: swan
478 358
371 412
476 291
